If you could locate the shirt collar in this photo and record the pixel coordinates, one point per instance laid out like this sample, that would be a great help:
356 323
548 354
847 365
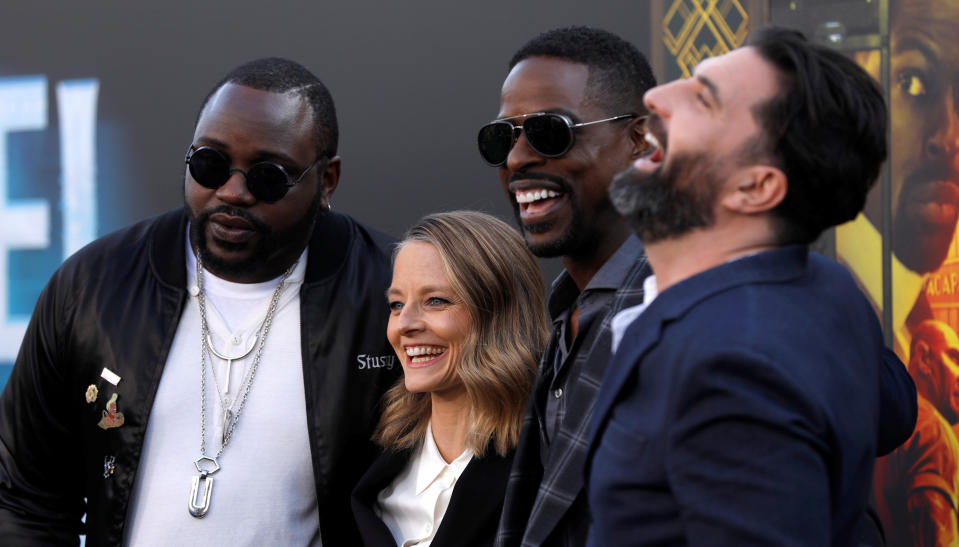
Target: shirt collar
431 464
610 277
623 319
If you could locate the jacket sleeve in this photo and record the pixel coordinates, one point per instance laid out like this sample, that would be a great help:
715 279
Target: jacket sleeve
746 456
897 404
41 492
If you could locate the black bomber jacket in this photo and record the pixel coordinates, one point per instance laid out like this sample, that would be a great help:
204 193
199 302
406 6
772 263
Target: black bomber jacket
116 304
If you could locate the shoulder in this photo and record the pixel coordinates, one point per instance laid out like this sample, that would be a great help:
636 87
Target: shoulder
122 253
801 328
132 238
491 464
342 245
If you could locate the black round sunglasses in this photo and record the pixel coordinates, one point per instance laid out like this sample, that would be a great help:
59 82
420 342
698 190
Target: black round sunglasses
266 180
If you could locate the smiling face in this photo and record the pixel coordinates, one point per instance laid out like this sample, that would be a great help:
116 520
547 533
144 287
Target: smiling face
428 322
562 203
924 160
240 238
703 132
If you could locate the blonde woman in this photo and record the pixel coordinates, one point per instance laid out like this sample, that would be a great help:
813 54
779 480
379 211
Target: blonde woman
467 322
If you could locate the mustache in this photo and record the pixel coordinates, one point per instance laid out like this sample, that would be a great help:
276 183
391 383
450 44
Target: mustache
533 175
258 225
943 169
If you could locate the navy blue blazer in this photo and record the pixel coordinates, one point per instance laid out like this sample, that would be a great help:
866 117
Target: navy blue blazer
741 408
473 513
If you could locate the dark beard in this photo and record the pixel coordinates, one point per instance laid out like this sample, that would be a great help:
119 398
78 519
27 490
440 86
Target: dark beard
567 244
576 240
268 244
667 203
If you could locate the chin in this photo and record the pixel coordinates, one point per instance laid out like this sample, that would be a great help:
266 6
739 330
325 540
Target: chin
923 252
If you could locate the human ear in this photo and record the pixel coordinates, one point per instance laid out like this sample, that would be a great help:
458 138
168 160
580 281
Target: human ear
329 179
637 136
757 189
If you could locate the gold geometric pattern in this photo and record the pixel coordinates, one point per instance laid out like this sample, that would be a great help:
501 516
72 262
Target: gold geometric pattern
696 29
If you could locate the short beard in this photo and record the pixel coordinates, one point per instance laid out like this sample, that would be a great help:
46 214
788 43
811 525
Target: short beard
567 244
576 240
269 243
667 203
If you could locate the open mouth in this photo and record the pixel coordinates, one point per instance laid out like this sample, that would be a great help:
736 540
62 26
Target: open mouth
654 154
422 356
537 202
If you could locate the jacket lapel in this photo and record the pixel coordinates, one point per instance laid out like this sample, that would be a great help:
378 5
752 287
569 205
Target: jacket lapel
475 506
638 339
380 474
766 267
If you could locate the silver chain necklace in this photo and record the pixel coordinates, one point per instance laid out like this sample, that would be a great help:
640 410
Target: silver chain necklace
230 418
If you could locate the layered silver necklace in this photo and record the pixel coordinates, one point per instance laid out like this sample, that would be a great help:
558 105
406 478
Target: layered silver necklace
206 465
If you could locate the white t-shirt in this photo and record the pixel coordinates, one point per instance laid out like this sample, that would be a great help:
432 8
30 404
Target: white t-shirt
264 492
412 507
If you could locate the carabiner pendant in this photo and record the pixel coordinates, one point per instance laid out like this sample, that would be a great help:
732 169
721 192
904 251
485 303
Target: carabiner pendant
199 510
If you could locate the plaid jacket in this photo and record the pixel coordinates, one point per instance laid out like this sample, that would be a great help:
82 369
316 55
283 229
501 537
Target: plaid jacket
546 503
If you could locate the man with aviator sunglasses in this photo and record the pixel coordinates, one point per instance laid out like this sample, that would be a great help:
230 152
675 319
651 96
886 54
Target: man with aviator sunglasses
205 367
569 120
571 115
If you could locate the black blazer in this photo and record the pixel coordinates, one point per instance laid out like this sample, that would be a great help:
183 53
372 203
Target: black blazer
473 513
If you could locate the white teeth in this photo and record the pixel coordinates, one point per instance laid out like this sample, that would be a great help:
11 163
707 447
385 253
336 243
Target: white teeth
535 195
652 140
415 351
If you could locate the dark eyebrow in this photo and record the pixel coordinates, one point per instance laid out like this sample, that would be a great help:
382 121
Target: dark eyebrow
914 43
713 90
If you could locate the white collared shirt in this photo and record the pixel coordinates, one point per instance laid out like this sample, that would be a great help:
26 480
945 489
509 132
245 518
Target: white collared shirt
625 317
413 506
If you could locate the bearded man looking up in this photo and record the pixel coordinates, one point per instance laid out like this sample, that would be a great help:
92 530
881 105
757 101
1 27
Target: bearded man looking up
750 393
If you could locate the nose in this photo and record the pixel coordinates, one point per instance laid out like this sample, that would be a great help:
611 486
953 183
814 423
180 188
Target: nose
235 190
657 99
408 321
944 142
521 156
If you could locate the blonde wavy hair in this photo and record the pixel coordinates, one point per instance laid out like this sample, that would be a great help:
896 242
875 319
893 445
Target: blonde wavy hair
491 270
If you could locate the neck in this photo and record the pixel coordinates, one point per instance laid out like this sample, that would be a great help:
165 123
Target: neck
582 268
676 259
450 417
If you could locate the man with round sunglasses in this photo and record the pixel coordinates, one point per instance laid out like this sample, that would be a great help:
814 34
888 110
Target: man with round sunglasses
213 372
569 120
